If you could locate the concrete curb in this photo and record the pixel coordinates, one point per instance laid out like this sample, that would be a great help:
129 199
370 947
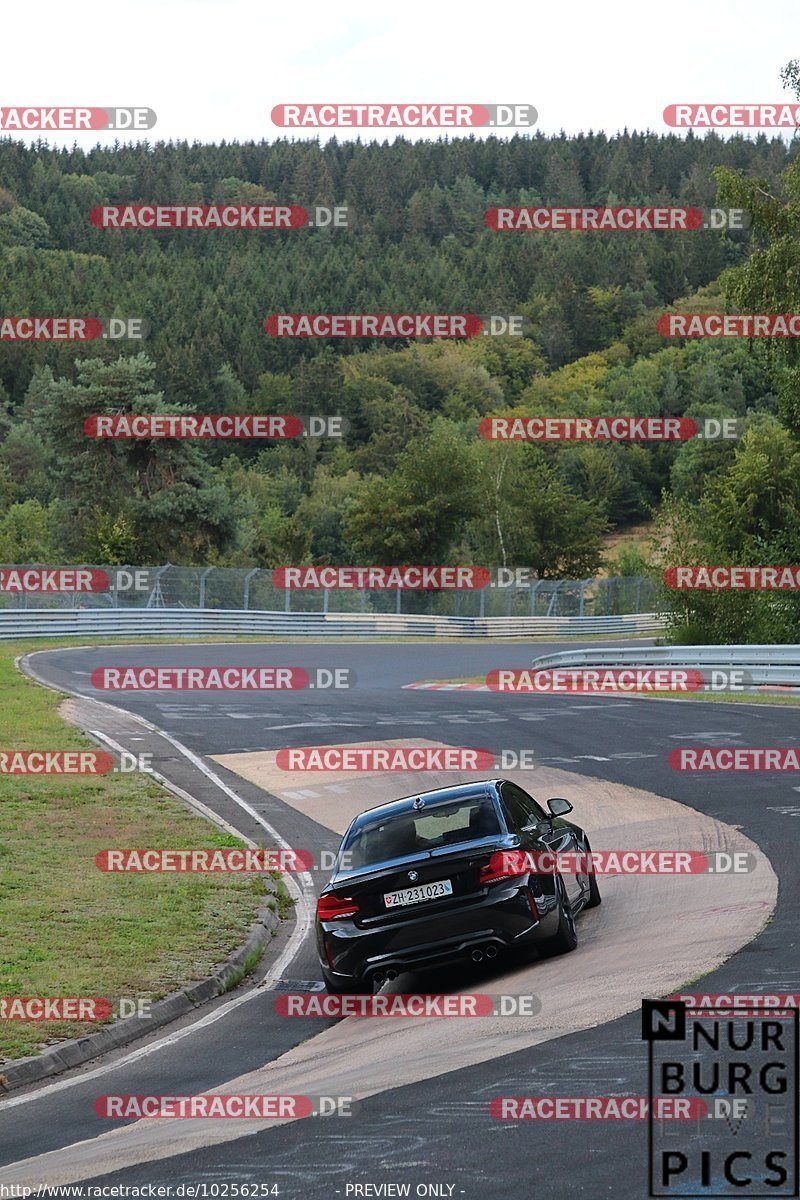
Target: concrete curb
21 1071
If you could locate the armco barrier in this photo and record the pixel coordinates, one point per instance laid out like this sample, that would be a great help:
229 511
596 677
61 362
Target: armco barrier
765 665
182 622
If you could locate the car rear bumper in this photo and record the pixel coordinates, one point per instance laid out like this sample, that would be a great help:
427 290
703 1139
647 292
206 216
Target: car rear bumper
501 920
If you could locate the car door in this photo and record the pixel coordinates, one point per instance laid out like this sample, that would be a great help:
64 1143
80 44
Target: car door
539 831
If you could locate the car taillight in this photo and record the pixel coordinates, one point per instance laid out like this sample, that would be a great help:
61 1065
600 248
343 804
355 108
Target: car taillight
335 908
326 941
504 864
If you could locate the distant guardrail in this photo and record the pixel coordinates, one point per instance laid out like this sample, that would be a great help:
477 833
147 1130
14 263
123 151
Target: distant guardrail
764 665
181 622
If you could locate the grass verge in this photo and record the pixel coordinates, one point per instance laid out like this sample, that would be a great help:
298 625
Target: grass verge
68 929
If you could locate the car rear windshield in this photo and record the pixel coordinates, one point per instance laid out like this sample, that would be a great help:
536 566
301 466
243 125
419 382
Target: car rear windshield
401 834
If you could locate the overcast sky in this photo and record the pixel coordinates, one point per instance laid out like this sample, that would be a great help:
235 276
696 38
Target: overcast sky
213 69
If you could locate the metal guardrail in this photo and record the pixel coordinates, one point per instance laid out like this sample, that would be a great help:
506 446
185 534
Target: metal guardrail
181 622
763 665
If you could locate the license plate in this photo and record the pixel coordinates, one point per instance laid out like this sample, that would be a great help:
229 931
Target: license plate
415 895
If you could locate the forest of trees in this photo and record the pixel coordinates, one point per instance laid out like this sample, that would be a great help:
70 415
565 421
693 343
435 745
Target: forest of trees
411 481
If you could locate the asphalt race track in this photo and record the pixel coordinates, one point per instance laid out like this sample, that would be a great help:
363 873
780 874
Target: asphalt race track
609 755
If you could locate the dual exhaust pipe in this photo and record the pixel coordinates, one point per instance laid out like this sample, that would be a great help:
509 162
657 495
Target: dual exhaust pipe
478 955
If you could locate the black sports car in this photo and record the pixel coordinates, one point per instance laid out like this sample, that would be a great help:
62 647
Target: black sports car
446 876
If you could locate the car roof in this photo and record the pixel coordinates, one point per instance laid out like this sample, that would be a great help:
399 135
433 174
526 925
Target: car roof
456 791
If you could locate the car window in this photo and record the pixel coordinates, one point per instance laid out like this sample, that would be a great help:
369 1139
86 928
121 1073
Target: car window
429 828
521 810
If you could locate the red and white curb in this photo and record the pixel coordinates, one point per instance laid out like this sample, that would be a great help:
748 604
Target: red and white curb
446 687
776 689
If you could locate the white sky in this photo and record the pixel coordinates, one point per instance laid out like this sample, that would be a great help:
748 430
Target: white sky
213 69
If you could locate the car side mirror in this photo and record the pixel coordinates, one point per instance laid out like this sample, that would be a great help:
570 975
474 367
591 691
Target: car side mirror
559 807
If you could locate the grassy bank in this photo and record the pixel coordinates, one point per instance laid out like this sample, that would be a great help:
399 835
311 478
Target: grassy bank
68 929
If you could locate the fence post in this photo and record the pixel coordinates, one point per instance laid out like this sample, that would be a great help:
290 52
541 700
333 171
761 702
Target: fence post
639 594
608 588
202 595
156 597
247 579
583 596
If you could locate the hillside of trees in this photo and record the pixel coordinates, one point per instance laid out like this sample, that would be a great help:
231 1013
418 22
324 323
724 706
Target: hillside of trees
411 481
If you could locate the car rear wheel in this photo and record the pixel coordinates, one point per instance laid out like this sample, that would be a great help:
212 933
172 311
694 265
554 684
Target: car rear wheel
566 936
594 891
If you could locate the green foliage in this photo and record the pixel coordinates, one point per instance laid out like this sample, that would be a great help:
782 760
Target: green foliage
417 513
26 534
748 515
739 503
529 517
111 539
156 498
411 481
628 562
21 227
